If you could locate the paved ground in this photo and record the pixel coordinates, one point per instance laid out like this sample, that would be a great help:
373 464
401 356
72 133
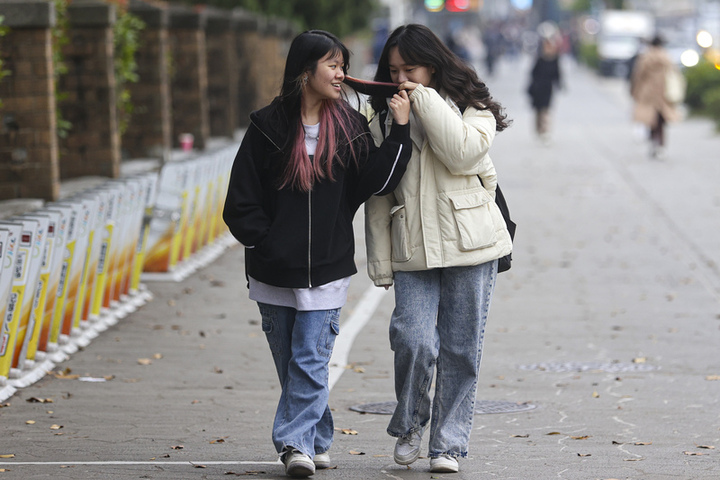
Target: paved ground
608 323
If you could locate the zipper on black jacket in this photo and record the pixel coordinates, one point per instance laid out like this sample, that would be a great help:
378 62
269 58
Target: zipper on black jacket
310 239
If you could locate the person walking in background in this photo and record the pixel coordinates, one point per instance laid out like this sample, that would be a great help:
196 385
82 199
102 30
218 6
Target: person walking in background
648 87
437 237
544 78
305 165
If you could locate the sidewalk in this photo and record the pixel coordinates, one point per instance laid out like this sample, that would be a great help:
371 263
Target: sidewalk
608 324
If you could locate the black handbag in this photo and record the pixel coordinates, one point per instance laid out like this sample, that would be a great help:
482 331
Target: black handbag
504 263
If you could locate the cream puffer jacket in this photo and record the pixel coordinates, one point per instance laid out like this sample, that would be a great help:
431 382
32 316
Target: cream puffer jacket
440 215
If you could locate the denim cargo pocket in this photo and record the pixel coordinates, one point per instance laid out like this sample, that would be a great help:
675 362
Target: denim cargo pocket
330 331
474 221
400 236
268 327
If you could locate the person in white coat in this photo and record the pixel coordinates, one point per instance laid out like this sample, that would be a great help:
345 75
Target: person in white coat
437 238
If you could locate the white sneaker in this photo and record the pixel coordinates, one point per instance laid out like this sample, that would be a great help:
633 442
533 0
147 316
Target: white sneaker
444 464
322 460
297 464
407 450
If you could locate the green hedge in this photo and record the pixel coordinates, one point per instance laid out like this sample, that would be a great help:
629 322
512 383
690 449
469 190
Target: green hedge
703 90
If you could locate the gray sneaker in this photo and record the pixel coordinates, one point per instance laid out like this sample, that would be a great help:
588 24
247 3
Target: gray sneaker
297 464
322 460
444 464
407 449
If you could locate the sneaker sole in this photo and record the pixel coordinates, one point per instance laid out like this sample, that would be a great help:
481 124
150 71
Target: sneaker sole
406 460
443 469
299 471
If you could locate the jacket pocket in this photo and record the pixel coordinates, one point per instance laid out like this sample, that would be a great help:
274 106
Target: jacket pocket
400 236
474 220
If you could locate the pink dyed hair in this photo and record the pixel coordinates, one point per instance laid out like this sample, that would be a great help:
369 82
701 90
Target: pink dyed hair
337 125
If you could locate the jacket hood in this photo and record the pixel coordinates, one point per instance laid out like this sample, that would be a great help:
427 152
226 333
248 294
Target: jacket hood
272 122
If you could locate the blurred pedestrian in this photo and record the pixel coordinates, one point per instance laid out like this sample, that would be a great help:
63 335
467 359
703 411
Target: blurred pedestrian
544 78
305 165
648 87
437 237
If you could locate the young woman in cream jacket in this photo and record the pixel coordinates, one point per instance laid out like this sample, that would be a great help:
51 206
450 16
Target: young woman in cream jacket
437 238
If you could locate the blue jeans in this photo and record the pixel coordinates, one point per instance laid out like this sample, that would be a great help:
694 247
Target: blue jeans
439 323
301 343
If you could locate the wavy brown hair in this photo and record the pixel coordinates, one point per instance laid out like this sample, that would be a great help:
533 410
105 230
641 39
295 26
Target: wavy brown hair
418 45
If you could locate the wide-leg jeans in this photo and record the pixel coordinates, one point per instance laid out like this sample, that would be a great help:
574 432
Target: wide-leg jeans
439 323
301 343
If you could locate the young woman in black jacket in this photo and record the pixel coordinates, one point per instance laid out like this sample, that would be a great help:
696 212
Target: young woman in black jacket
305 166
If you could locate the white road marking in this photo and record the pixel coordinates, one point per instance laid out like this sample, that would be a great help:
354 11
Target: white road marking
114 462
365 309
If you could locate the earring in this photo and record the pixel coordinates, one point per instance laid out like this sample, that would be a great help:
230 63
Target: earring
304 80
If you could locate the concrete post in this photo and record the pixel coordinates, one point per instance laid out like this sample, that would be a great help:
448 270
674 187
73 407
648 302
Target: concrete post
189 84
222 74
28 140
247 42
149 133
92 147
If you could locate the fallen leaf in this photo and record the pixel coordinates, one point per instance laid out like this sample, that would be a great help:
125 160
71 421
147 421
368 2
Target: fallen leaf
642 443
584 455
359 370
217 370
219 440
634 459
554 433
614 442
158 356
348 431
177 447
596 395
66 376
39 400
198 466
521 436
7 455
584 437
639 360
709 447
30 422
712 377
56 427
354 452
144 361
695 454
4 470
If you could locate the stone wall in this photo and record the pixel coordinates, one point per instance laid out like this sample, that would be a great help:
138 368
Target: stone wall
200 71
28 143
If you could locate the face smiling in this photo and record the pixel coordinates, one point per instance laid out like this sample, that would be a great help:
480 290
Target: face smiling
326 82
401 72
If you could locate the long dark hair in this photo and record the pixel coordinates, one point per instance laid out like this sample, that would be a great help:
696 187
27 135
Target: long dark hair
338 124
418 45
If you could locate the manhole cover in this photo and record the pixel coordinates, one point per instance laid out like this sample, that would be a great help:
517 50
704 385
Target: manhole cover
609 367
482 407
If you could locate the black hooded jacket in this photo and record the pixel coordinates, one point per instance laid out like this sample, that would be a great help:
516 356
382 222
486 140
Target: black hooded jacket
305 239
